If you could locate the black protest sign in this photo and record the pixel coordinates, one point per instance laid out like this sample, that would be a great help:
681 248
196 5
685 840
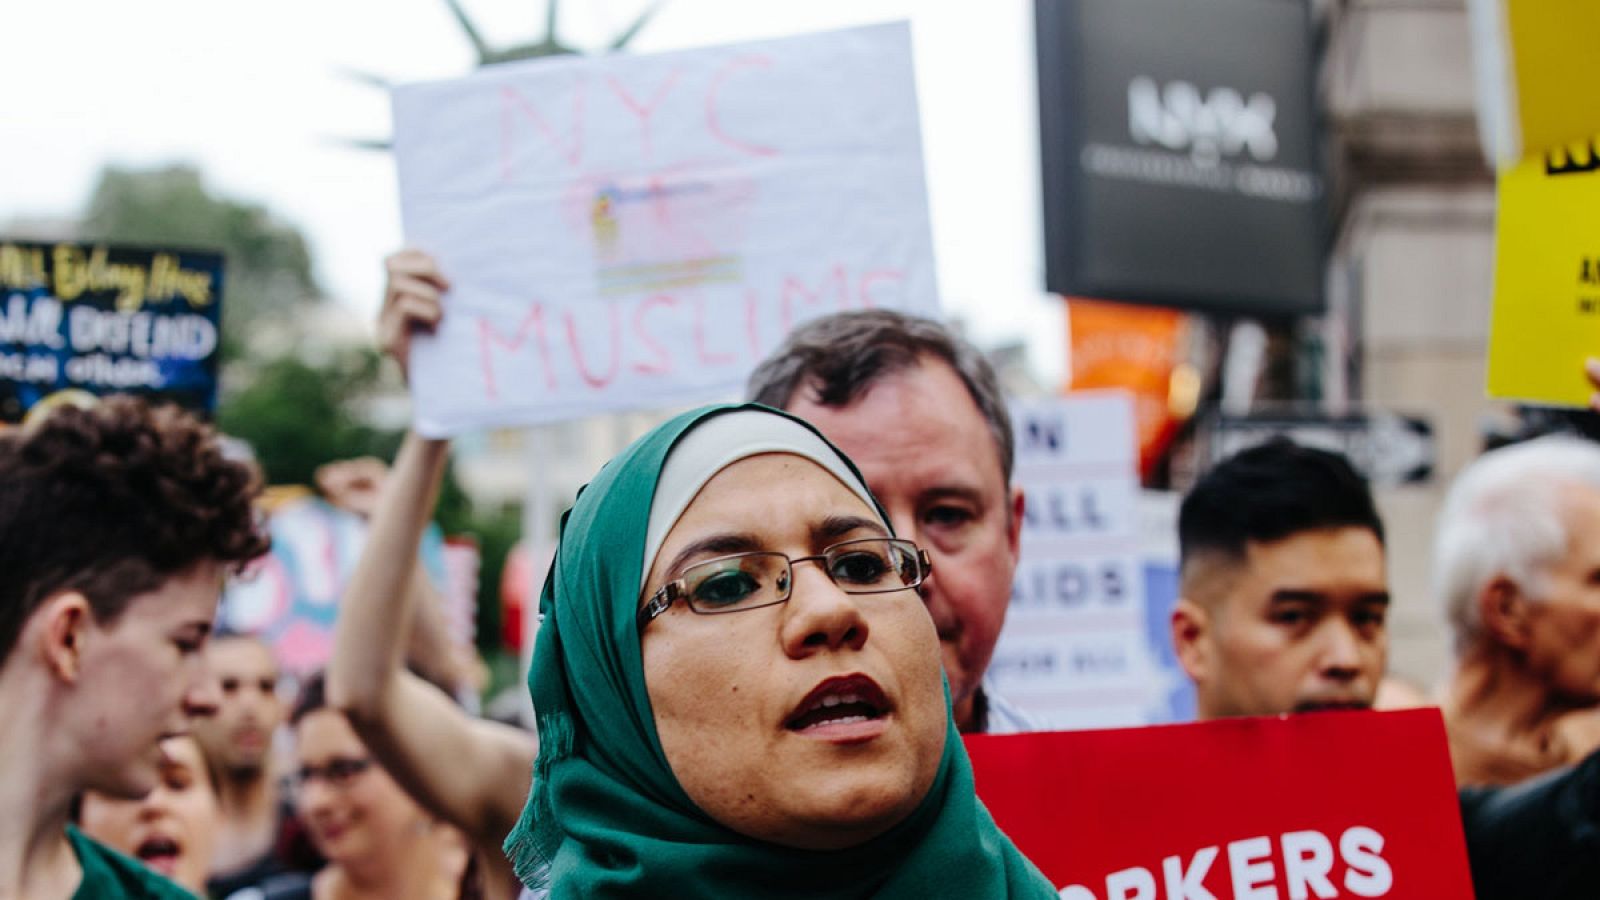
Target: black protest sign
103 319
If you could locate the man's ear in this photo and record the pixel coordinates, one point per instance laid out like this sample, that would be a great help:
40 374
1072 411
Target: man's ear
1503 610
1191 624
1014 523
64 619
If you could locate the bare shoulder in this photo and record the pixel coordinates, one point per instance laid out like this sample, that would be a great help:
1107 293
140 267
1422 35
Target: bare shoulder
1579 733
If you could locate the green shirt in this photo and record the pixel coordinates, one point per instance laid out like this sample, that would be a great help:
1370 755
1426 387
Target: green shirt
108 875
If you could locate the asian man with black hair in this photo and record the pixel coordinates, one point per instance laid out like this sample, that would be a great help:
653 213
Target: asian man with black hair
1283 610
1283 592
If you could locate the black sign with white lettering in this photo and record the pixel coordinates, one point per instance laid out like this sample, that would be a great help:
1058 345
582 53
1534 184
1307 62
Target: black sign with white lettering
1388 449
94 319
1180 153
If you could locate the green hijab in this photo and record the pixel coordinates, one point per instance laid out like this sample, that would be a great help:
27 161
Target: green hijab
606 818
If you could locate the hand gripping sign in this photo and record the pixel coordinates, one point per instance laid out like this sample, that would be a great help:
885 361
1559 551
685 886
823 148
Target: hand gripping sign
631 231
1323 805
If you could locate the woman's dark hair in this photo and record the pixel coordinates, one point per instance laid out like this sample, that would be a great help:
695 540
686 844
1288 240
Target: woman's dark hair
113 500
1270 492
312 697
314 693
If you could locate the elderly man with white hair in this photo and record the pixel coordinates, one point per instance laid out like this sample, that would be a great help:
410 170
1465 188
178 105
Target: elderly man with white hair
1517 566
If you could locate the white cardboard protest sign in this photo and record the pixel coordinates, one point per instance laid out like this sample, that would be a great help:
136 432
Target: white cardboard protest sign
631 231
1076 649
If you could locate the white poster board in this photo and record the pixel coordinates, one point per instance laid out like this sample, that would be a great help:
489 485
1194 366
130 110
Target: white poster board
633 231
1077 650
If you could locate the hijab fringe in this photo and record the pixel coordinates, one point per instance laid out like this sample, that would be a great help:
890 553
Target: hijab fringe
531 846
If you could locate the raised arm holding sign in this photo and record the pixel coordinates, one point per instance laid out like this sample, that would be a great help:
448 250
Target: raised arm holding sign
471 773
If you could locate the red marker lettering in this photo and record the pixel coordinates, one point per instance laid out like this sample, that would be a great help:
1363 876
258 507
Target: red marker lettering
487 335
593 380
714 121
704 352
794 287
663 363
512 102
873 279
645 110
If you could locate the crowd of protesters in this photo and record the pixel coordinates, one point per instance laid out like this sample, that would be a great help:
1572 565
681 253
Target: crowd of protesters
682 750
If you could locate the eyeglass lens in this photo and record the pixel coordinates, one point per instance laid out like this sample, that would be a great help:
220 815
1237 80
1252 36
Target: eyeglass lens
755 579
336 772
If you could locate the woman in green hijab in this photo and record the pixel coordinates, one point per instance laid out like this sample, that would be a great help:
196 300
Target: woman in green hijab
739 690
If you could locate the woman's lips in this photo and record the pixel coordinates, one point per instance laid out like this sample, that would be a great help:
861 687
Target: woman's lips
160 852
843 709
847 731
330 832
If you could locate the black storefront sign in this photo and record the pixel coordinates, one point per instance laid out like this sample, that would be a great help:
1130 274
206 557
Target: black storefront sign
1180 154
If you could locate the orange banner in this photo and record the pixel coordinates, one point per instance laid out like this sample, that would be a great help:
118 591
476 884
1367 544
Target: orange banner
1135 348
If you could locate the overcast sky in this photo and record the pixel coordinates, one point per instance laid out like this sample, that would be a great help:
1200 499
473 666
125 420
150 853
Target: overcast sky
252 94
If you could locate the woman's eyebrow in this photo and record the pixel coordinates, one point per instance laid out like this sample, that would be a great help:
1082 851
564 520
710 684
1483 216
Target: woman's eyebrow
199 629
834 527
716 544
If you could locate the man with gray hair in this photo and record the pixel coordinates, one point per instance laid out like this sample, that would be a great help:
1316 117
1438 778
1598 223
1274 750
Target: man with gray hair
920 412
1517 567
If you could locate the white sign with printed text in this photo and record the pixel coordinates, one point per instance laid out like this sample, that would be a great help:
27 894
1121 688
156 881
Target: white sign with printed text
1076 650
640 230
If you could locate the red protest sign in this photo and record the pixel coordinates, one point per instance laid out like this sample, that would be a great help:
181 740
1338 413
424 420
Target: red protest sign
1319 805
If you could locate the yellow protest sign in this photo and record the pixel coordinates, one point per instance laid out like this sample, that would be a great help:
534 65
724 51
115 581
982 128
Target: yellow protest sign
1553 58
1536 74
1546 318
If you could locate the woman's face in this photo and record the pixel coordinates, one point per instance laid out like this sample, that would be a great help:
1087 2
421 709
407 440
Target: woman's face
173 828
352 808
742 701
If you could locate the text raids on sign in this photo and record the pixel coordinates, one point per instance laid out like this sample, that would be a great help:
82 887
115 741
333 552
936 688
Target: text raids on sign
1067 585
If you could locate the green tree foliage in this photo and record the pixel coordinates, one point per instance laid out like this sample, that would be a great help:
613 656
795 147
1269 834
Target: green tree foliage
296 415
269 271
496 533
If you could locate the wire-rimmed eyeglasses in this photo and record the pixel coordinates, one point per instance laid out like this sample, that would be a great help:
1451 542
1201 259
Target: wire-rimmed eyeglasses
760 578
338 773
